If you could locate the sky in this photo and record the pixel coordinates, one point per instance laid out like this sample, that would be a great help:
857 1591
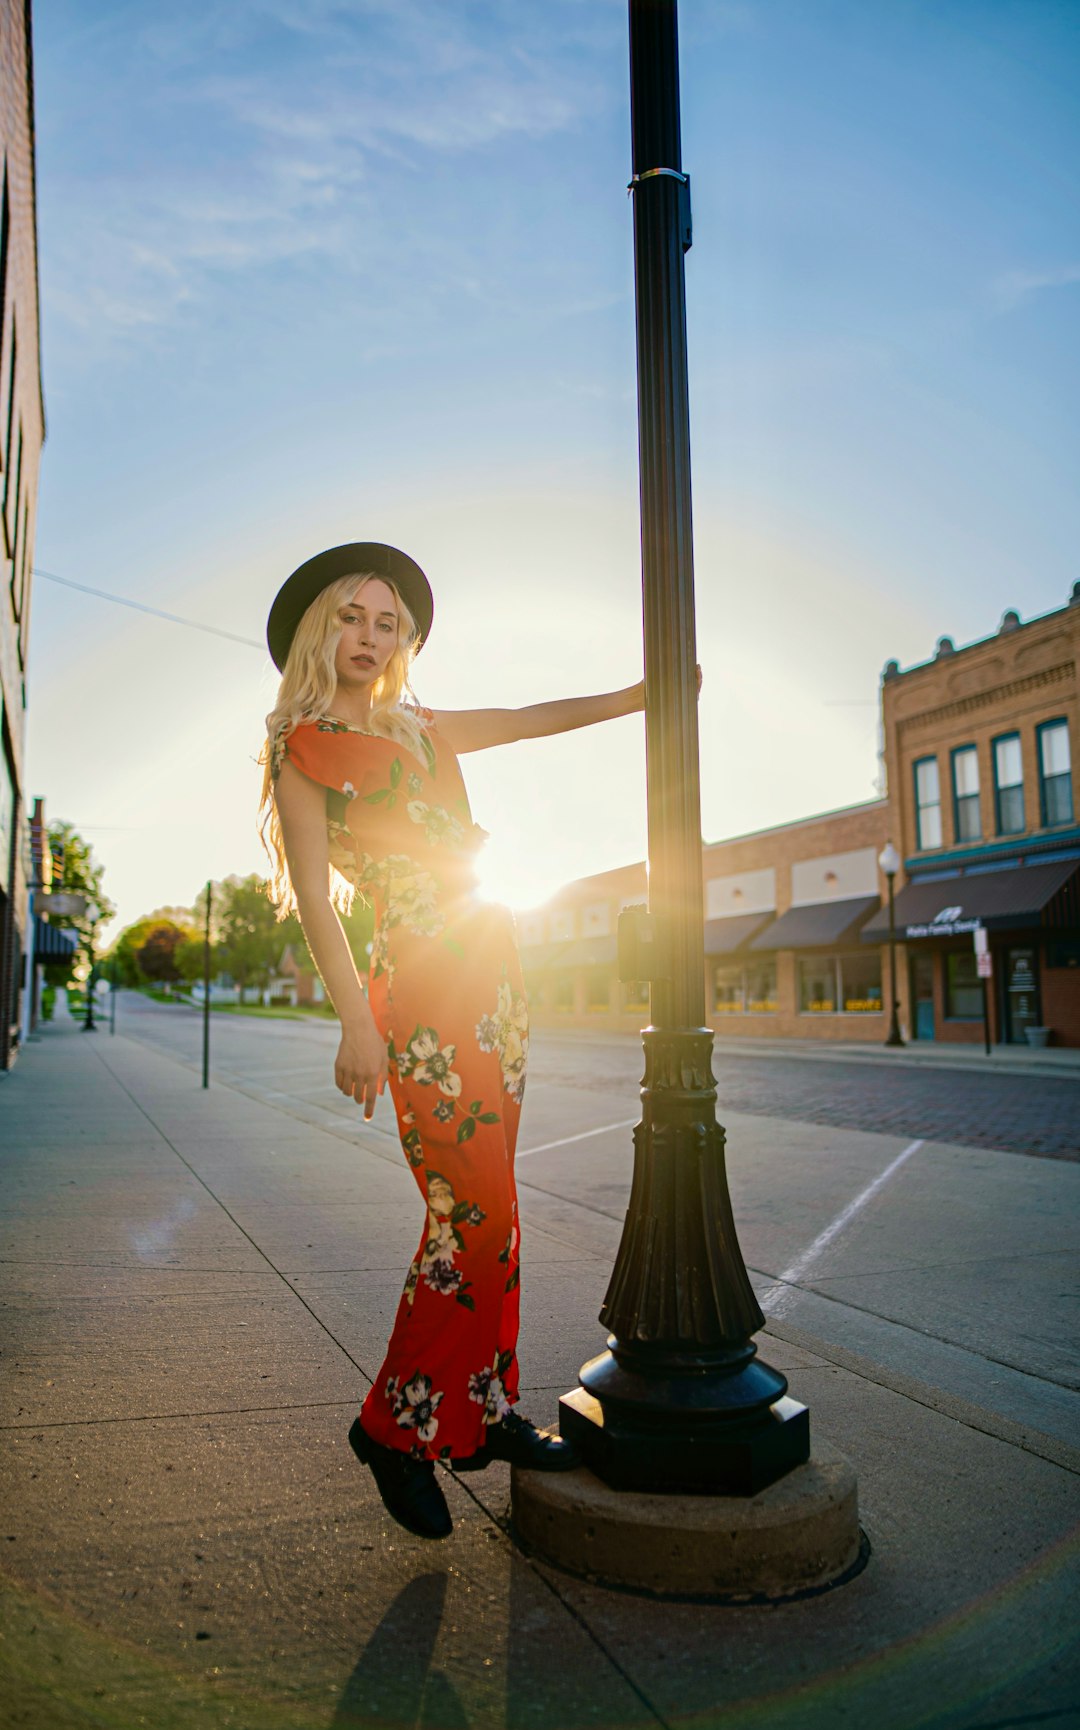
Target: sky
326 270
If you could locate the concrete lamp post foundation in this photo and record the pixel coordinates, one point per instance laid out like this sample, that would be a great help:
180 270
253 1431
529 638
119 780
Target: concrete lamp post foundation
800 1533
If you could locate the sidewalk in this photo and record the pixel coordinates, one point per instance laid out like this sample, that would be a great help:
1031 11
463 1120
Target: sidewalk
1051 1061
197 1292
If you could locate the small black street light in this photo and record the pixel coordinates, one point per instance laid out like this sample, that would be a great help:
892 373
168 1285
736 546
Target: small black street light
889 860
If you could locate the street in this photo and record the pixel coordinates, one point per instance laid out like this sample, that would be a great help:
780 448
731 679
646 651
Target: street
197 1288
960 1271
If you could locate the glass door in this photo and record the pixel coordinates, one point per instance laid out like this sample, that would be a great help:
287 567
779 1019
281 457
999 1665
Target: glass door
1021 994
922 995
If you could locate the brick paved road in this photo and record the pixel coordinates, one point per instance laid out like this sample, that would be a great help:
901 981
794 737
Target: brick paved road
1016 1113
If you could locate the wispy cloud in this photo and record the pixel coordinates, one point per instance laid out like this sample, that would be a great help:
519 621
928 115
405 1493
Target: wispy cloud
1012 288
277 132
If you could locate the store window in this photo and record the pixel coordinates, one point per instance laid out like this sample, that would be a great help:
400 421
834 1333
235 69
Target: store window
563 994
636 994
927 803
1009 785
817 986
728 991
1055 773
761 988
963 989
598 988
965 771
860 982
596 919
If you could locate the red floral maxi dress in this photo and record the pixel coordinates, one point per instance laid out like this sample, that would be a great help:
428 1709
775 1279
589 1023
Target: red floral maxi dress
446 991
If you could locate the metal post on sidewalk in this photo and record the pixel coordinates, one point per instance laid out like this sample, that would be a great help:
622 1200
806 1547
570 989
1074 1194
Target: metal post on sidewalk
89 1024
206 993
112 997
985 968
680 1400
889 861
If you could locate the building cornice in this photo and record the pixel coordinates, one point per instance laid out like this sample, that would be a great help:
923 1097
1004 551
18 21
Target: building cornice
1061 674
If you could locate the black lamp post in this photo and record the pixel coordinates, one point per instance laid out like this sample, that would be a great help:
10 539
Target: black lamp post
679 1400
889 860
89 1024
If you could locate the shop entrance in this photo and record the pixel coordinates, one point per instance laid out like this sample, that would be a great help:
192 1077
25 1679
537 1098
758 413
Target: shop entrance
1021 993
922 995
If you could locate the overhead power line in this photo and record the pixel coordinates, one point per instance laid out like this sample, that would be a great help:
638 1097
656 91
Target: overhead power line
141 607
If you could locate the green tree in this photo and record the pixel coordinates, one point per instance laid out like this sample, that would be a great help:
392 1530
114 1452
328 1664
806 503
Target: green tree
76 871
156 956
124 950
251 937
190 959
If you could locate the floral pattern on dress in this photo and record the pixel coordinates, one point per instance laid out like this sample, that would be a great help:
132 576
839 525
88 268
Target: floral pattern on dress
487 1388
414 1405
507 1032
444 986
440 829
381 962
410 1139
430 1063
445 1240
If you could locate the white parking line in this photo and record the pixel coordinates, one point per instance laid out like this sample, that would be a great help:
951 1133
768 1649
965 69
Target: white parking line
778 1297
627 1123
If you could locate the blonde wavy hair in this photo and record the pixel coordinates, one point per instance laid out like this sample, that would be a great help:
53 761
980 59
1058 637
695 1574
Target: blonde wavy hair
306 693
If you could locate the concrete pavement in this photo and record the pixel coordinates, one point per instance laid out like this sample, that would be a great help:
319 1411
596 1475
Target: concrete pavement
197 1290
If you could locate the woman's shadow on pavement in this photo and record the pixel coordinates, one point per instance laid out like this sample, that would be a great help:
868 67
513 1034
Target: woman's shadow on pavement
393 1682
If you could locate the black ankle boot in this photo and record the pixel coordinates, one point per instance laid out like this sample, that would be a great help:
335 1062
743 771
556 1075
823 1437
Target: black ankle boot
408 1487
519 1442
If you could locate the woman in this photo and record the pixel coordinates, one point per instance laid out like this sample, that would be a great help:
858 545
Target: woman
363 794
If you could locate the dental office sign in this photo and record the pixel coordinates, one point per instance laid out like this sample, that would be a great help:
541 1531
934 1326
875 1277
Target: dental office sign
950 922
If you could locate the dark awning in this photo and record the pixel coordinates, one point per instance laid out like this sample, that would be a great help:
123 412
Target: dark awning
591 952
723 936
815 926
53 942
534 955
1025 895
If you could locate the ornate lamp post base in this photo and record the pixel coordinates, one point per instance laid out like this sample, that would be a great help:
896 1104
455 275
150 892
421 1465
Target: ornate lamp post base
726 1458
680 1401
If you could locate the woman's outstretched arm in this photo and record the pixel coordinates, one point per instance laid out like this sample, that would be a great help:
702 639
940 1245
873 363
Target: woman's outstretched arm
478 729
361 1067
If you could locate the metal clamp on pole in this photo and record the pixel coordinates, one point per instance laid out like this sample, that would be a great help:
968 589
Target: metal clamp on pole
639 946
686 225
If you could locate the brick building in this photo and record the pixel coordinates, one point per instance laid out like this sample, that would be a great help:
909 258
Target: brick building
979 744
978 751
784 909
22 431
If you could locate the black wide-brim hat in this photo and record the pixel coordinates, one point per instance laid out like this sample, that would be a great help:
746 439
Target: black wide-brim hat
357 557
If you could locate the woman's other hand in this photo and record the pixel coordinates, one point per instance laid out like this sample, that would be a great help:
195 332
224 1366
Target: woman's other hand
360 1069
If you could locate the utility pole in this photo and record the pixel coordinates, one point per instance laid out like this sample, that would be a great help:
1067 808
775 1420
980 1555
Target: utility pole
206 992
680 1400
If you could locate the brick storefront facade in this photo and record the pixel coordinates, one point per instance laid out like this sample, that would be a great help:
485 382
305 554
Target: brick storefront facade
979 744
22 431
